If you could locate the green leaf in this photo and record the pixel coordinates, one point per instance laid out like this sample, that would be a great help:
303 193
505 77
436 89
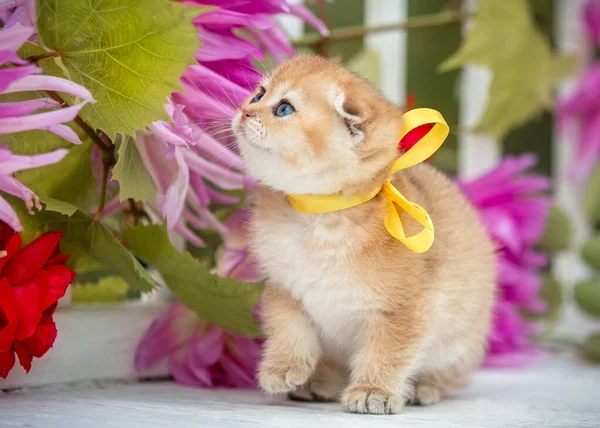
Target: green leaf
587 296
108 289
128 53
131 173
591 251
557 236
505 39
591 347
552 293
222 301
92 247
591 200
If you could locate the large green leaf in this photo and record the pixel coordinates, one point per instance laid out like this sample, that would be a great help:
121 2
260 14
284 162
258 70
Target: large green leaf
505 39
128 53
222 301
131 173
587 296
92 247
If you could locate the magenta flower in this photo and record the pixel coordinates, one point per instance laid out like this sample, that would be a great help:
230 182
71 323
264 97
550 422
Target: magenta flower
514 212
194 160
591 18
9 164
234 259
581 109
199 355
18 17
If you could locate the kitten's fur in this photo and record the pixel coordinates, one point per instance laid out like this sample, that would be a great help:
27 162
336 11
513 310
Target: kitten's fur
350 313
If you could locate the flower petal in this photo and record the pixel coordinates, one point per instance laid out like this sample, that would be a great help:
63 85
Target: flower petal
30 297
16 163
206 348
30 259
60 277
43 339
50 83
9 125
24 356
7 362
9 216
20 108
8 317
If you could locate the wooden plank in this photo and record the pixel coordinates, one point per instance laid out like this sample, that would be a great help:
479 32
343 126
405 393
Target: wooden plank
96 342
558 393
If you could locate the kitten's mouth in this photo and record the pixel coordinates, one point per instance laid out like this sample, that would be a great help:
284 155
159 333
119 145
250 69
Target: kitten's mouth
250 141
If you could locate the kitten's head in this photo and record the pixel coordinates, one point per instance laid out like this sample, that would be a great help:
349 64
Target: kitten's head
314 127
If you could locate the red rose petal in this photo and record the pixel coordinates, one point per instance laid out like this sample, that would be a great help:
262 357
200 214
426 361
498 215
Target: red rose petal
24 356
30 298
30 259
60 278
8 316
43 338
58 260
7 361
12 246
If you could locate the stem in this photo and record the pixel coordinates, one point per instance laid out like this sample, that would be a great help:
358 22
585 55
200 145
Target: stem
423 21
81 123
34 59
103 143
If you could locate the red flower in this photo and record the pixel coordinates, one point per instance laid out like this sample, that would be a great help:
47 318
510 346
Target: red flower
32 279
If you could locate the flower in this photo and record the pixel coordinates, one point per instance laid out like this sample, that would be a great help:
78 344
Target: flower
194 160
9 164
199 354
591 18
234 259
16 116
514 213
581 108
32 279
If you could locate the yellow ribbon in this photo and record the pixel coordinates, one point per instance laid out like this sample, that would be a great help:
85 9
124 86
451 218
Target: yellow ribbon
421 151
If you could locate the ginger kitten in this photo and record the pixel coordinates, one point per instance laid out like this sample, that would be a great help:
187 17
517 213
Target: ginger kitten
350 313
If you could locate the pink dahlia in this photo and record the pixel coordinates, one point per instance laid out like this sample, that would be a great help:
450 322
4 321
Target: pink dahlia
514 211
199 354
194 160
16 75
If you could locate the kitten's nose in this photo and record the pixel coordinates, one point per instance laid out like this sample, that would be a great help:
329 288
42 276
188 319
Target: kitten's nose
246 114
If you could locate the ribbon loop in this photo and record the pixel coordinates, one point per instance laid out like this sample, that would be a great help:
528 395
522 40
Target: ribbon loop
422 150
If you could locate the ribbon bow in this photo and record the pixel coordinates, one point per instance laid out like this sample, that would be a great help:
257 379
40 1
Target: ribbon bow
421 151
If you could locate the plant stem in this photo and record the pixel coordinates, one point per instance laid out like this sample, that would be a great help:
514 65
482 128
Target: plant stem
103 143
81 123
320 46
34 59
424 21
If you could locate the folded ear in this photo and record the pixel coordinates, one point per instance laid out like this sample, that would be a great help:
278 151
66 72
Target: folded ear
349 112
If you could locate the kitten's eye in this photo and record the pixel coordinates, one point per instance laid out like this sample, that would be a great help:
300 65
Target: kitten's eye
258 96
284 109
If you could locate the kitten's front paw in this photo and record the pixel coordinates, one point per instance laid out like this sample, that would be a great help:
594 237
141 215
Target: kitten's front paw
370 400
275 379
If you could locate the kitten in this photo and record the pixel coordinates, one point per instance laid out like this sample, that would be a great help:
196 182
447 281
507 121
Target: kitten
350 313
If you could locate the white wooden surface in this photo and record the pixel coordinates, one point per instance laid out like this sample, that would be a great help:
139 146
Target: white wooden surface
557 393
95 342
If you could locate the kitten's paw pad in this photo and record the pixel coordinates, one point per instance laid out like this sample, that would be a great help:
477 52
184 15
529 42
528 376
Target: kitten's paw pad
274 380
426 395
308 393
369 400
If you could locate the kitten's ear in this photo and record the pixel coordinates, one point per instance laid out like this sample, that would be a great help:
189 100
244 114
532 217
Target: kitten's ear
350 114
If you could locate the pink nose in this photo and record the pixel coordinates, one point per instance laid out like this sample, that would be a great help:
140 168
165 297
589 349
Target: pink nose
247 114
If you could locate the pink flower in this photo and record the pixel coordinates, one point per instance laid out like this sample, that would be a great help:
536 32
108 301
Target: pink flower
18 17
234 260
514 213
9 164
591 18
199 354
581 108
194 161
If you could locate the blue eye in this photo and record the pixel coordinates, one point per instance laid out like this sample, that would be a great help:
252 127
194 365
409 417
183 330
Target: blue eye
284 109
